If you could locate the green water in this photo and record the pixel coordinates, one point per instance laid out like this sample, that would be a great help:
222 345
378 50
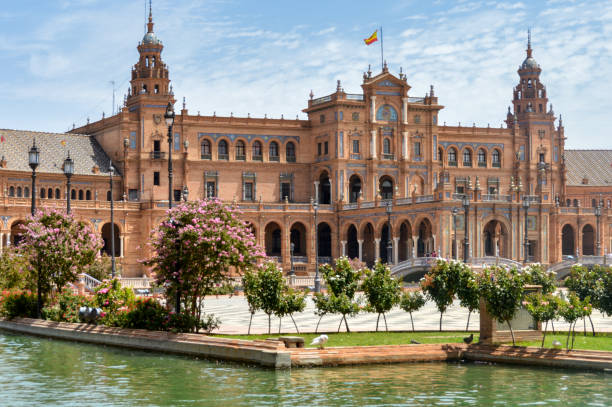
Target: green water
35 371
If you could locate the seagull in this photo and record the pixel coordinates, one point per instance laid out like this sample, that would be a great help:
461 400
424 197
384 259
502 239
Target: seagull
556 344
415 342
320 340
469 339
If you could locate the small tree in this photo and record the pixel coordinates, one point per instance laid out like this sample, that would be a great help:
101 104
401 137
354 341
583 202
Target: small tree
571 311
250 282
381 290
57 249
440 284
292 301
502 291
411 302
468 291
604 290
269 289
14 271
542 308
536 275
587 283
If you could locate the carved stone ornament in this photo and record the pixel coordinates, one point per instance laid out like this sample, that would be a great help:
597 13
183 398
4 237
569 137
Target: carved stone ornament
157 118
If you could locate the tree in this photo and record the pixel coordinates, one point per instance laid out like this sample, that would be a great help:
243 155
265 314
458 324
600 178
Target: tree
571 310
587 283
342 282
269 289
250 282
536 275
195 248
467 290
14 272
381 290
57 249
542 308
440 284
604 290
502 291
291 301
411 302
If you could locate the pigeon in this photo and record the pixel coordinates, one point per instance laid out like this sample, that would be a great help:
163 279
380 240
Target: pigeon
469 339
556 344
320 340
415 342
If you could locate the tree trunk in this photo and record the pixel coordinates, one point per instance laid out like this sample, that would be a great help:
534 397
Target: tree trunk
467 326
346 324
317 328
280 320
38 298
544 336
573 336
385 318
269 324
552 323
296 328
584 323
377 322
411 321
592 326
440 321
340 324
569 332
250 320
511 332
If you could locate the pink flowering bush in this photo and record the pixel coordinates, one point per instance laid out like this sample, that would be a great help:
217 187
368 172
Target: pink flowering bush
57 249
111 297
195 248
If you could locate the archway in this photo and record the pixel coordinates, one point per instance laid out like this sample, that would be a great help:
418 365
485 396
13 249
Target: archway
354 188
405 241
325 241
384 243
368 255
17 230
297 236
352 246
324 189
588 241
106 237
386 187
425 240
567 241
495 239
273 239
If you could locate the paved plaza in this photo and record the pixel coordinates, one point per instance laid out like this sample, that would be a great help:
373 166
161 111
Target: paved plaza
234 314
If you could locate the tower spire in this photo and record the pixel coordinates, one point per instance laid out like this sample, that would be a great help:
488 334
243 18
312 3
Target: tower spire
529 50
150 23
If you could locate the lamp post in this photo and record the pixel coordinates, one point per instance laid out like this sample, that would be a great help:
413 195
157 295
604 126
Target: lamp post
455 212
33 158
466 227
292 248
315 207
169 117
185 193
111 171
68 171
598 215
388 209
526 237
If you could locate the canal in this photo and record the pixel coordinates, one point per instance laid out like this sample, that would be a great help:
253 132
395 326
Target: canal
36 371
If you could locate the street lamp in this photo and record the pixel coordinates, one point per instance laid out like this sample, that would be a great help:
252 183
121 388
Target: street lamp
111 171
388 209
185 193
526 238
455 212
169 116
315 207
292 248
466 227
68 171
34 157
598 215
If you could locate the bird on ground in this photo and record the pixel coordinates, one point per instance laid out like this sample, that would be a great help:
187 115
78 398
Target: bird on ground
556 344
320 340
469 339
415 342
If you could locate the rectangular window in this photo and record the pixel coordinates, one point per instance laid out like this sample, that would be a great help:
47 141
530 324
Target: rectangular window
132 139
435 147
417 149
248 191
556 153
322 118
341 115
435 119
177 142
211 189
177 195
417 118
133 194
355 146
326 148
156 178
318 148
156 145
355 116
335 116
341 144
522 152
460 189
286 191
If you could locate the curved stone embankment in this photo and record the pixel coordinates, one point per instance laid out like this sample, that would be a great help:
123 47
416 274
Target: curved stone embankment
273 353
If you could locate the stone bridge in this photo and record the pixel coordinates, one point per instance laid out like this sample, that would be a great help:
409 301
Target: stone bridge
563 268
413 269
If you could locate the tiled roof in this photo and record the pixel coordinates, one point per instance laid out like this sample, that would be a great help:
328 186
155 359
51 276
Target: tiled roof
594 165
54 148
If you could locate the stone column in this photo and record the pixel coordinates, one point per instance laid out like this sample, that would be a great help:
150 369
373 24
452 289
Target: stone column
373 144
373 109
395 250
1 242
360 244
316 186
405 110
414 246
405 145
343 244
8 239
121 244
376 249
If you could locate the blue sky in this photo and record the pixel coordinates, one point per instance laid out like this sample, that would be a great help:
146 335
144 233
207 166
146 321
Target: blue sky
263 57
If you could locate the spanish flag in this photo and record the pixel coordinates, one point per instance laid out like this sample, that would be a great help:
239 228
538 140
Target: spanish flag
373 38
63 142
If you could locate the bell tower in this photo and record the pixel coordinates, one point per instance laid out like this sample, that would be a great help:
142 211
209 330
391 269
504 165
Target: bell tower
150 78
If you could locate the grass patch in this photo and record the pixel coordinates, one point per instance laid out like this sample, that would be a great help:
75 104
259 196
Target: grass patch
371 338
603 341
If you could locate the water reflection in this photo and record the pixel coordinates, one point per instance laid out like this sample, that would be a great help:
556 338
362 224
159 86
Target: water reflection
36 371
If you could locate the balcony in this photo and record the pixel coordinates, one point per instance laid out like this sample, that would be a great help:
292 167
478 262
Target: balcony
223 156
388 157
290 158
275 158
482 164
452 163
496 198
158 155
467 163
257 158
496 164
206 157
240 157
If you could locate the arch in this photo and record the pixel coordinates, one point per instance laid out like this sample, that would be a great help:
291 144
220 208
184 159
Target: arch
355 187
19 192
240 150
452 157
297 237
588 240
58 194
368 255
496 158
568 247
106 237
405 241
386 113
467 157
26 192
11 191
88 195
80 194
17 230
273 239
108 195
43 193
496 239
290 152
352 246
256 150
385 186
324 189
482 157
417 185
273 151
385 239
222 150
425 243
205 149
324 239
575 202
50 193
73 194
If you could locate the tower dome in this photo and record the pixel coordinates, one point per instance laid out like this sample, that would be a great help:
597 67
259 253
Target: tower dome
529 62
150 38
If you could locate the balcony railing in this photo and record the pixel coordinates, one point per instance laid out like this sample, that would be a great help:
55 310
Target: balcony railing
496 197
496 165
206 157
240 157
322 100
388 157
275 158
223 156
482 164
325 259
290 158
158 155
257 158
354 96
424 198
300 259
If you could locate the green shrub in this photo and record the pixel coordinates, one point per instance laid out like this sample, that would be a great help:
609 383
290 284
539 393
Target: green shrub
14 273
18 303
65 307
147 313
110 297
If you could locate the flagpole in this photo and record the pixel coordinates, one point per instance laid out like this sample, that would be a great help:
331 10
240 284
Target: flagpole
381 49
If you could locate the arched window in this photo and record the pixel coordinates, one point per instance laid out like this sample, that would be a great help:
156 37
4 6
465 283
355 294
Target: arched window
386 146
88 195
205 151
482 158
223 154
467 158
26 192
568 202
50 193
12 191
575 202
452 157
274 151
386 188
257 154
43 193
240 151
495 158
80 194
18 192
108 195
73 194
290 152
593 203
58 194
